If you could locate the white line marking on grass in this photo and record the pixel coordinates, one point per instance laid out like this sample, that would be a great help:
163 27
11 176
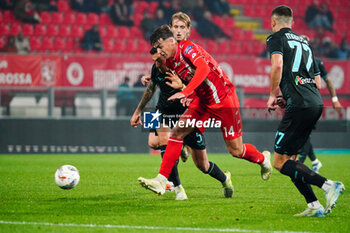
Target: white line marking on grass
145 227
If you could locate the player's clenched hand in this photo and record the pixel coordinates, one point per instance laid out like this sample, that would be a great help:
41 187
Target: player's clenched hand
271 103
146 79
175 81
135 120
177 96
280 101
337 107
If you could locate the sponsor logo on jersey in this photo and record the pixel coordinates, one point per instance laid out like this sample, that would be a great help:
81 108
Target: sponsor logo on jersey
300 80
188 48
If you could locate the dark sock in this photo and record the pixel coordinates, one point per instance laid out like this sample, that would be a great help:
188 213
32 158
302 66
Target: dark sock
302 157
174 175
311 153
162 149
306 190
215 172
300 172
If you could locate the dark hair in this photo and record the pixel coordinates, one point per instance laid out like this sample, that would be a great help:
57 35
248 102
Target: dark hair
162 32
282 11
153 51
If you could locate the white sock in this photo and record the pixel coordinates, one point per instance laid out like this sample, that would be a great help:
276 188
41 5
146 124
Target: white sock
314 204
315 161
327 185
178 187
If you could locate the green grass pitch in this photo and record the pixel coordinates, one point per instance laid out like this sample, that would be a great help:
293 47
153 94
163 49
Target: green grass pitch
109 197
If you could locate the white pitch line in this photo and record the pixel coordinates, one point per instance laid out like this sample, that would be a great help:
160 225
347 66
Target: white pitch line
145 227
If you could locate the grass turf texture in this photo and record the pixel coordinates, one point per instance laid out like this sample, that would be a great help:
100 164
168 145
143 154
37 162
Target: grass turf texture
108 193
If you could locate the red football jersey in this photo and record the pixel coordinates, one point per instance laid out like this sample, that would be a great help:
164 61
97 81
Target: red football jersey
215 86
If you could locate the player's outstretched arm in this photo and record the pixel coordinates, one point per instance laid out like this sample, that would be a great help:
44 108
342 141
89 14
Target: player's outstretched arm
146 97
336 104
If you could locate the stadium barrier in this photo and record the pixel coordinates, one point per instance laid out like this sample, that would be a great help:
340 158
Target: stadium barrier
31 136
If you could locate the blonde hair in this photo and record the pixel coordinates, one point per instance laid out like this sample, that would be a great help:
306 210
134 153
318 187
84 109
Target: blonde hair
181 16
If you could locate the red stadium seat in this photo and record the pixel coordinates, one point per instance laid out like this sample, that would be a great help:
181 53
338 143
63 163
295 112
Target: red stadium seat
2 43
124 32
219 21
64 30
77 31
92 18
62 5
223 47
103 31
35 43
105 19
194 34
108 45
4 30
45 17
15 29
69 17
112 31
8 16
212 46
137 20
57 17
130 46
52 30
118 46
246 48
235 48
248 35
80 18
136 32
229 22
70 44
143 46
40 30
249 10
47 43
59 43
28 29
266 23
238 34
152 6
260 11
257 47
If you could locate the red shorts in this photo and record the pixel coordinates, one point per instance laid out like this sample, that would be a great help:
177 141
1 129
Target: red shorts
227 112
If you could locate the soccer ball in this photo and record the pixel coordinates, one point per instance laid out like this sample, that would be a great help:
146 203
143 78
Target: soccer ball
67 177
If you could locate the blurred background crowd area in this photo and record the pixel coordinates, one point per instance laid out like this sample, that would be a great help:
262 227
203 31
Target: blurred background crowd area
235 28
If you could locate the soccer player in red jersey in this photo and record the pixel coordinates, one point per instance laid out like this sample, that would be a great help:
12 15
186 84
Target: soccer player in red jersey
180 25
214 98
